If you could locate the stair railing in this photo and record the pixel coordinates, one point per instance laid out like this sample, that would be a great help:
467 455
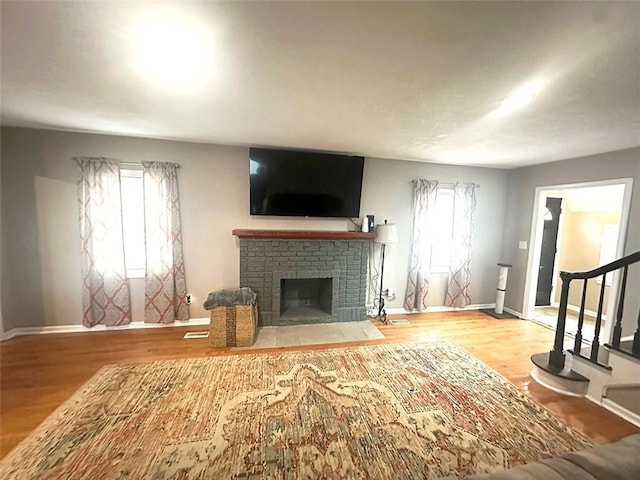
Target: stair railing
557 356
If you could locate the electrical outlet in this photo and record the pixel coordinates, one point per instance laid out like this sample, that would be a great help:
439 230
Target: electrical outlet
189 298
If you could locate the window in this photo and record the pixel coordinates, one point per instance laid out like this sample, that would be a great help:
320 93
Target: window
442 232
133 221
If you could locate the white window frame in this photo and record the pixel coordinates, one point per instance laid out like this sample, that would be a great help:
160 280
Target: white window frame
440 240
133 220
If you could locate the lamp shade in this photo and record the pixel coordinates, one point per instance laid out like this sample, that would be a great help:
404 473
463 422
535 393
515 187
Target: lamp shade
386 233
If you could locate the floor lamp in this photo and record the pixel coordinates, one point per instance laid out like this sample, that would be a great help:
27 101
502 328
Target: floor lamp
385 234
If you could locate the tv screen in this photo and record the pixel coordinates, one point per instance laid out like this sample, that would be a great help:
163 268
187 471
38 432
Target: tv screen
304 184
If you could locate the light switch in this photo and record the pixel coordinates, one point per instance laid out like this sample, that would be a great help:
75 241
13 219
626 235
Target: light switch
522 244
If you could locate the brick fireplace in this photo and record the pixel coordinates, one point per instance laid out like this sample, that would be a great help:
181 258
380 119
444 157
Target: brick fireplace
305 276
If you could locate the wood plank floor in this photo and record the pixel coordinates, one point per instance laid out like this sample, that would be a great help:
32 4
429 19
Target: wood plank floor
39 372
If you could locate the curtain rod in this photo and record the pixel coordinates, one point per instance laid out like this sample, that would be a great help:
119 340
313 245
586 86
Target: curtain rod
139 164
121 163
447 184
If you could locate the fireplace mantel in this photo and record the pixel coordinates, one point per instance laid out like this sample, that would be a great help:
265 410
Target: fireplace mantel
303 234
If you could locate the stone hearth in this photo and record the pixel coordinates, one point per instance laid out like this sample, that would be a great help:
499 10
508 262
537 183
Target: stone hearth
335 261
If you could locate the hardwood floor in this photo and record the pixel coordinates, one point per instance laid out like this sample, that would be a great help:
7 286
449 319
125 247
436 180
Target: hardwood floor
39 372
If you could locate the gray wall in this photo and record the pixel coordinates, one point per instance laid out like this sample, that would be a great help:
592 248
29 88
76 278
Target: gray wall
41 262
21 266
388 193
40 237
521 192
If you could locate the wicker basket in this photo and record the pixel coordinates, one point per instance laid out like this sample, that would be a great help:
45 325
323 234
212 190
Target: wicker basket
233 326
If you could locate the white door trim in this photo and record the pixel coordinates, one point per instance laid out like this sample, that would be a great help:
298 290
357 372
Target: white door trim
535 241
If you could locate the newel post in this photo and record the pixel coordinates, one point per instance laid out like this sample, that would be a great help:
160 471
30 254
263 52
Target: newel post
556 356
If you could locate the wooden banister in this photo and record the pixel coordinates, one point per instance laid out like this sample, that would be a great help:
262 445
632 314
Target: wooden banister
557 355
609 267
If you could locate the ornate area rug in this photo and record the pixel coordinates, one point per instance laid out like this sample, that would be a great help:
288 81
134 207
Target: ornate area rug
382 412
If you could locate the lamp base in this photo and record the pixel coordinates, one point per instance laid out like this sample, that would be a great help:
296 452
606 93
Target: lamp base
382 313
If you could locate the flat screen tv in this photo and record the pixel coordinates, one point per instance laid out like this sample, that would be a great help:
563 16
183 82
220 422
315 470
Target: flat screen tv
304 183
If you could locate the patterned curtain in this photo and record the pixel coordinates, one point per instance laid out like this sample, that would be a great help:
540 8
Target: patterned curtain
464 205
105 290
165 286
425 196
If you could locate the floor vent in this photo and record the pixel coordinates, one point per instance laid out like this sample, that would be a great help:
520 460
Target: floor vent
399 321
196 335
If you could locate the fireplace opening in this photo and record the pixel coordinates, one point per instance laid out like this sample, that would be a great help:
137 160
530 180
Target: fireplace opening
305 298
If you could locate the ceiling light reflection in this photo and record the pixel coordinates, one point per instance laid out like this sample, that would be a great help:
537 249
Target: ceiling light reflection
173 51
519 98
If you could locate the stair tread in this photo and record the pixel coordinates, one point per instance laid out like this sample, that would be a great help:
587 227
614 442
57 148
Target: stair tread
625 347
541 360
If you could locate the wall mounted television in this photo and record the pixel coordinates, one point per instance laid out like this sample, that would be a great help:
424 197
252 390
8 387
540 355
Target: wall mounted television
304 183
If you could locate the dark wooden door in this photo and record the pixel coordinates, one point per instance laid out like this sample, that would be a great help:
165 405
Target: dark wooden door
548 251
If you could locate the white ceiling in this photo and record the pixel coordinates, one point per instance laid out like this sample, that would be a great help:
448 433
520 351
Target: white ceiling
404 80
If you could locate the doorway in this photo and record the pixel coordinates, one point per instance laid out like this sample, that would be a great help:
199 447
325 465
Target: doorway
590 222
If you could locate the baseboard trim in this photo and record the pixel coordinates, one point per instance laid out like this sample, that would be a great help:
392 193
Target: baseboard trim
99 328
205 321
7 335
629 416
438 309
557 384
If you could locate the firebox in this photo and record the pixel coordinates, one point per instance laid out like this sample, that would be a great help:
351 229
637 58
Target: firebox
306 298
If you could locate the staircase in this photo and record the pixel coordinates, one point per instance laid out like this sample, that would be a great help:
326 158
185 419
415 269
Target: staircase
608 373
